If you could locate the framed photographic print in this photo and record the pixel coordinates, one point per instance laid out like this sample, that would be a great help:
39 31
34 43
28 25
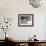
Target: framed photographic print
25 20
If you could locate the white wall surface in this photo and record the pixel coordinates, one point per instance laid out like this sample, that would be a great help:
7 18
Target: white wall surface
11 8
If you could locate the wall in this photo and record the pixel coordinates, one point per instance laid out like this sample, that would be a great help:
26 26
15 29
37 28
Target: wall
11 8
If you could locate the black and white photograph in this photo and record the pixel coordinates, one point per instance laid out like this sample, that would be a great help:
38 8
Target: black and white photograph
25 19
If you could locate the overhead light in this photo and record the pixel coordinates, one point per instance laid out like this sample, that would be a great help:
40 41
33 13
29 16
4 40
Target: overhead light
36 3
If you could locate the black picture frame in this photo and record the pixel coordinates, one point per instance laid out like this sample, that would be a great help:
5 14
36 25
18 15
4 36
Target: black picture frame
26 20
